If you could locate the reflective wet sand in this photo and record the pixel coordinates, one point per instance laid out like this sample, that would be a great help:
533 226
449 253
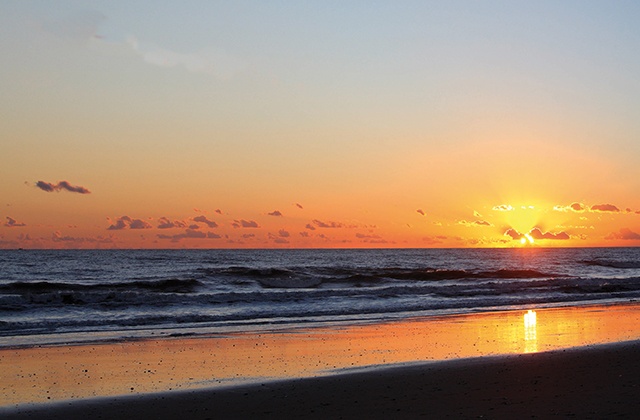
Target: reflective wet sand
69 372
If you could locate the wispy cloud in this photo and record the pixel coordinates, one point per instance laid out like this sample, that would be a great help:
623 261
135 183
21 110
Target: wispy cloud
503 207
164 223
60 186
190 234
11 222
245 224
474 223
624 234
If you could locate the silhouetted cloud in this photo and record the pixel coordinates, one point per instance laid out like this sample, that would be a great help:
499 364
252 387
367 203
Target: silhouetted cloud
275 213
608 208
624 234
310 226
125 222
330 224
574 207
11 222
421 212
203 219
367 236
514 234
164 223
283 233
218 211
536 233
503 207
62 185
245 224
298 205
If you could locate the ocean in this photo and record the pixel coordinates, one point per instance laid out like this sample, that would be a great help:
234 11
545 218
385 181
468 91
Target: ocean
73 296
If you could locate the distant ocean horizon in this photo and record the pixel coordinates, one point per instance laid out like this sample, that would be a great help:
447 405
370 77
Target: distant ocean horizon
69 296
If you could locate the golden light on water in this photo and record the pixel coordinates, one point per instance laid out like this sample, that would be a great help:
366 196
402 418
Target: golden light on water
530 332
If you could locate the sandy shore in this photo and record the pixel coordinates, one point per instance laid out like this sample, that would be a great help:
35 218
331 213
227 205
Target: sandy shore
481 364
596 382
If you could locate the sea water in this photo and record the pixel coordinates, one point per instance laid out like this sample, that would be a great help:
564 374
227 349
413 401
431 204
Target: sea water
66 296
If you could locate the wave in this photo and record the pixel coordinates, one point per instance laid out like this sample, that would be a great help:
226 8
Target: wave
310 277
160 286
613 263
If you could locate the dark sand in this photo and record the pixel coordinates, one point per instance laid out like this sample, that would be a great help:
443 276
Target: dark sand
590 382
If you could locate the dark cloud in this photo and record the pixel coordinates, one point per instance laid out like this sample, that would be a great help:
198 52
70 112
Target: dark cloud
249 235
125 222
190 234
283 233
624 234
421 212
536 233
245 224
218 211
62 185
329 225
203 219
304 234
164 223
575 207
298 205
610 208
275 213
11 222
310 226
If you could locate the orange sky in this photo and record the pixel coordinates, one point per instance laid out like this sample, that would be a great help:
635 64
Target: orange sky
462 124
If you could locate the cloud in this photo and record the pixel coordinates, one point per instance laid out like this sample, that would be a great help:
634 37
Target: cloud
11 222
514 234
609 208
310 226
421 212
164 223
575 207
57 237
536 233
624 234
203 219
125 222
218 211
476 214
62 185
298 205
245 224
304 234
503 207
474 223
365 236
190 234
275 213
329 225
249 235
283 233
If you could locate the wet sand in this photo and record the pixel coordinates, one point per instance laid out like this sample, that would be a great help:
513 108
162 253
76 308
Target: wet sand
302 372
596 382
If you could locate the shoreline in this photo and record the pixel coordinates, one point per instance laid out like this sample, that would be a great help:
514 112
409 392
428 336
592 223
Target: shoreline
594 381
52 374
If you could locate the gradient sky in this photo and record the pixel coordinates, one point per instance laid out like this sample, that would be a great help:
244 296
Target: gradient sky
223 124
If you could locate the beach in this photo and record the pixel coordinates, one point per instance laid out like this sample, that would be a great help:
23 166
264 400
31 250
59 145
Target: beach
576 360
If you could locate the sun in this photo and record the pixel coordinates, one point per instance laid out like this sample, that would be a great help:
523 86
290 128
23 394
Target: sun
527 239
